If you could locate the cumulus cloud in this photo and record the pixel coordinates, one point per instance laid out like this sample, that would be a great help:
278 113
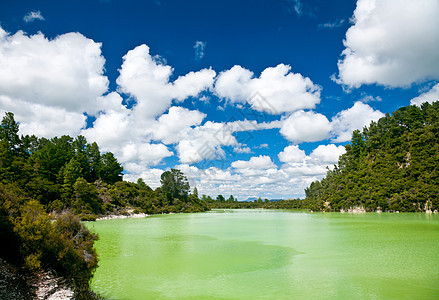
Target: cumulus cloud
32 16
260 162
430 96
151 176
242 149
312 167
292 154
305 126
146 79
41 120
46 82
391 43
171 126
259 175
199 50
144 153
205 142
66 72
308 126
356 117
277 90
328 153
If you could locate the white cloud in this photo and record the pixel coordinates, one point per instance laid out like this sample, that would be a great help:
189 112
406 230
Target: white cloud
430 96
233 84
241 149
276 91
328 153
369 98
171 127
49 84
150 176
32 16
256 162
147 79
112 129
204 142
191 84
199 50
305 126
41 120
66 72
356 117
305 169
147 154
259 175
292 154
392 43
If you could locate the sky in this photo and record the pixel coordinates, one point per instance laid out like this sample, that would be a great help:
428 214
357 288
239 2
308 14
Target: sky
247 98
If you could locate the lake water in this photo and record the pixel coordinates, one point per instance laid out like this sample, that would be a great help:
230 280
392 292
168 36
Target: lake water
269 254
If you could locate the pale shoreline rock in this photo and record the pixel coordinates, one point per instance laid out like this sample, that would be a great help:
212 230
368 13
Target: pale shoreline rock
130 215
52 288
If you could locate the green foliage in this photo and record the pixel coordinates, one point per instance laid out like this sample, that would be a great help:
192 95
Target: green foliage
9 132
37 241
281 204
110 169
174 185
67 176
391 165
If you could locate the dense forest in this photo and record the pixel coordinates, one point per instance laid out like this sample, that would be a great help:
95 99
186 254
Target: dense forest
48 186
392 165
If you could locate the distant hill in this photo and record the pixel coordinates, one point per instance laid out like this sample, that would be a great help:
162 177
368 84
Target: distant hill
392 165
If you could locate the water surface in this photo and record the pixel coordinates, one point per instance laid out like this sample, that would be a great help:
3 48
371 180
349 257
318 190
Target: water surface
271 254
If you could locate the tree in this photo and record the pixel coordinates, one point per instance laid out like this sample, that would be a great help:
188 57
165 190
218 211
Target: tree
195 193
220 198
392 164
80 147
94 159
9 132
110 169
71 172
174 184
85 197
358 144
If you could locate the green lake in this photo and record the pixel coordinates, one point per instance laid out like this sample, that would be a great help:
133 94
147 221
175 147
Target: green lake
269 254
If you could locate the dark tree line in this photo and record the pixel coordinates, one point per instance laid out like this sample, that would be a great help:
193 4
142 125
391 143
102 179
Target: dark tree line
390 165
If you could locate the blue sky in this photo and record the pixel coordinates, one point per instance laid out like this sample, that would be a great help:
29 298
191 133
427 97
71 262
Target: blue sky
250 98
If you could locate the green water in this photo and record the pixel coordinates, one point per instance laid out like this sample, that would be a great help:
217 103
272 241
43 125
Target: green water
248 254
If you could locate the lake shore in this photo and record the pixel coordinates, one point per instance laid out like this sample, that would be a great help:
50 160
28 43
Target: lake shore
129 214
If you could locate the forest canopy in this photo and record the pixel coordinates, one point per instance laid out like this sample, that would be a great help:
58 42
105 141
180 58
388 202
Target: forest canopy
391 165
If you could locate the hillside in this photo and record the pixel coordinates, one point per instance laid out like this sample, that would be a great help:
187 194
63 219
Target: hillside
391 165
48 186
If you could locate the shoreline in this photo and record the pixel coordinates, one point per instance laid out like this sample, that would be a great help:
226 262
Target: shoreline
129 216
